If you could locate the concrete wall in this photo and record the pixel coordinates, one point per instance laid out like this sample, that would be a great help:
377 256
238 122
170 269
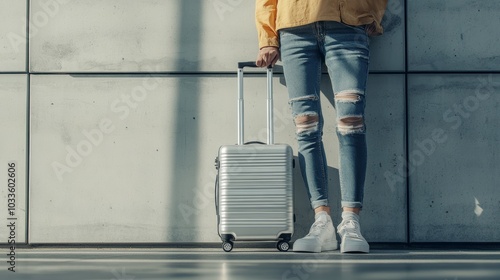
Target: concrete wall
124 103
453 121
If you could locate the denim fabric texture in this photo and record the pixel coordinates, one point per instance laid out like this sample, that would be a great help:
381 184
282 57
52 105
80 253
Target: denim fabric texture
345 51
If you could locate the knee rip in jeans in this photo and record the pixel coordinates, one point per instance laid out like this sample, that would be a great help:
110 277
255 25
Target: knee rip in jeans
348 96
351 125
304 98
306 123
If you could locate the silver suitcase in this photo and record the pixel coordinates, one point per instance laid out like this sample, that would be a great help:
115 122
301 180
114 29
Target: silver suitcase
254 189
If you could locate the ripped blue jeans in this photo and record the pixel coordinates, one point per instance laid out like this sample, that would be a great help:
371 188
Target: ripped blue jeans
345 51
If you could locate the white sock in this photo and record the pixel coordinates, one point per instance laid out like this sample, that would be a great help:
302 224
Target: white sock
317 215
348 215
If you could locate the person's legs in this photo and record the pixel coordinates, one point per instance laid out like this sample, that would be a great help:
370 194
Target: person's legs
346 51
302 67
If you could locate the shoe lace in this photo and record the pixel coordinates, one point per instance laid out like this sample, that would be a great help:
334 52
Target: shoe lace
350 228
316 228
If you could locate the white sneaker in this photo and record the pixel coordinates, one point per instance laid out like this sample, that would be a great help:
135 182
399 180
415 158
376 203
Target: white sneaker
321 237
350 233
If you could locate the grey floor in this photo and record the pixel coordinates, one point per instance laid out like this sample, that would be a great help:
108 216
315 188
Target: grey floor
247 263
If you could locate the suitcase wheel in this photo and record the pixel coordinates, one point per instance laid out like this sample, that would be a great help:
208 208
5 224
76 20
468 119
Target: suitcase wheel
227 246
283 246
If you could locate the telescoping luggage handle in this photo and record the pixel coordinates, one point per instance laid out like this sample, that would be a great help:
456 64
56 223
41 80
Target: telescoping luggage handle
270 126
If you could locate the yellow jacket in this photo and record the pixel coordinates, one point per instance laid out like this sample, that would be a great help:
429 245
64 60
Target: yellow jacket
273 15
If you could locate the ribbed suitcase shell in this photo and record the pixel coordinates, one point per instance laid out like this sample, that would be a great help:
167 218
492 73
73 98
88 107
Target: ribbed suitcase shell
255 191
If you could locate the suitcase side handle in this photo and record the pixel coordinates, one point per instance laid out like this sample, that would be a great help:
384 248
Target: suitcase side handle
270 116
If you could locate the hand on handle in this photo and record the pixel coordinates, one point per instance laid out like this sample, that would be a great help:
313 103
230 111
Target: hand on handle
268 56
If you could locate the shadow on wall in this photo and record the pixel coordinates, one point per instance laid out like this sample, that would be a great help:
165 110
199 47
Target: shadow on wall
184 143
391 20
